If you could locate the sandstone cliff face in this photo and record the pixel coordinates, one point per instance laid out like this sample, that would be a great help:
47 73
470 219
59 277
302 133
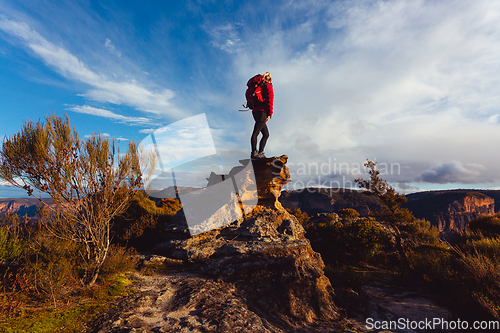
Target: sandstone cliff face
463 210
450 210
258 273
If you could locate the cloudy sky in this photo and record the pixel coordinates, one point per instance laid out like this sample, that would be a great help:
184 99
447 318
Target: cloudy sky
414 85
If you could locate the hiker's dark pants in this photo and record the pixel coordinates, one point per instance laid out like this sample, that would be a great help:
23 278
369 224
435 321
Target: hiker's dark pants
260 127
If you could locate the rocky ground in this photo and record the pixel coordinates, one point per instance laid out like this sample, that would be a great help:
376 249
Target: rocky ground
171 300
182 302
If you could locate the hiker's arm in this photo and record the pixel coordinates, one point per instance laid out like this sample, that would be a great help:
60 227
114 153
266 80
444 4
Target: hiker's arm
268 95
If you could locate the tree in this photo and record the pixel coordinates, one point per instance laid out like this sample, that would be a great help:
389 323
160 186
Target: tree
391 211
391 200
89 181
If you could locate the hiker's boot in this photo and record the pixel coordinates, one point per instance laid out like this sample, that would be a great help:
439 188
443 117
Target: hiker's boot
254 155
261 154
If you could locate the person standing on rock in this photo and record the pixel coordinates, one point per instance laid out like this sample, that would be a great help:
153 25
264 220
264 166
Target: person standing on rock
262 111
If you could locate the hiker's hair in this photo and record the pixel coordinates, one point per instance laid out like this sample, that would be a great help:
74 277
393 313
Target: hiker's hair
267 77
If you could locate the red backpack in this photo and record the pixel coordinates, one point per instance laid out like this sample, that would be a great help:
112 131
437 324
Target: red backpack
253 93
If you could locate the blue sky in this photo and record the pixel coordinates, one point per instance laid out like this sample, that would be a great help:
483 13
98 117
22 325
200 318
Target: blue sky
412 84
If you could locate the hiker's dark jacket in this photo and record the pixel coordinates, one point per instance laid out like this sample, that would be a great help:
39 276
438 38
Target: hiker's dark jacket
268 96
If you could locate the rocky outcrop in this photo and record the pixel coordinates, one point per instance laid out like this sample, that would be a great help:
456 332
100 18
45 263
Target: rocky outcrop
272 175
450 210
258 273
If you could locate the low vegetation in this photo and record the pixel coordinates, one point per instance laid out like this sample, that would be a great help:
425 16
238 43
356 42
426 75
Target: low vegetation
40 275
465 271
143 222
58 271
347 242
41 288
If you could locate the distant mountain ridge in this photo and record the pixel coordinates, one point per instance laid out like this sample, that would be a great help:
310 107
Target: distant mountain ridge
326 200
23 207
449 210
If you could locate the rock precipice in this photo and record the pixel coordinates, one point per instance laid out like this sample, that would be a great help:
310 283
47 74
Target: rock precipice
258 273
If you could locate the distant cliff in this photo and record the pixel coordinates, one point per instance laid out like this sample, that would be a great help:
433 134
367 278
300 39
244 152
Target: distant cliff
448 210
452 210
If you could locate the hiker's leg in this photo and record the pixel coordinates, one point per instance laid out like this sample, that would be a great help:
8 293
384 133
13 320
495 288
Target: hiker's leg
265 136
256 130
259 124
253 140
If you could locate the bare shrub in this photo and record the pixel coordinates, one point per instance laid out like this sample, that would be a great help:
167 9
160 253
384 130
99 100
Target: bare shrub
89 181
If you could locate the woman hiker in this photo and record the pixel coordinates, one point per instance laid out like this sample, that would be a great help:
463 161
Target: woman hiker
261 113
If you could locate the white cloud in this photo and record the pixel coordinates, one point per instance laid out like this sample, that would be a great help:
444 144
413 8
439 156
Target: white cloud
185 146
398 81
4 183
111 48
406 188
225 37
85 109
147 130
182 141
493 119
104 135
131 93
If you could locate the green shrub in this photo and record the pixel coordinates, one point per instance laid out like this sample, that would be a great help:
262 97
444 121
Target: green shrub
348 214
489 247
435 262
366 238
469 271
10 246
480 280
421 232
120 259
301 216
48 271
363 240
142 224
52 265
332 218
11 242
486 224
